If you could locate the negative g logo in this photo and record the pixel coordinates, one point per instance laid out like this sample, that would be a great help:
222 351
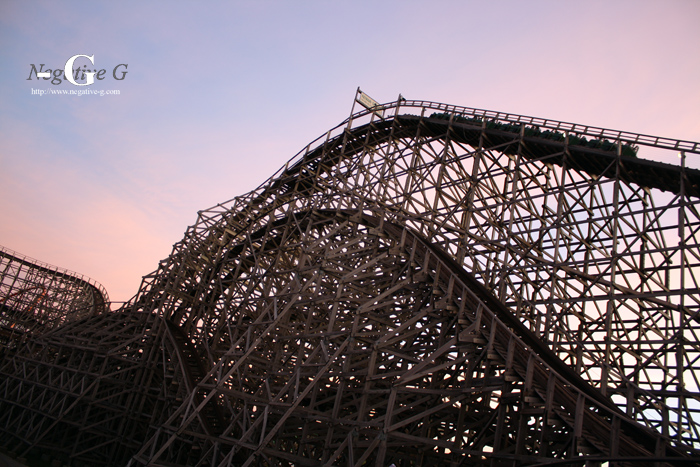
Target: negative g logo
72 75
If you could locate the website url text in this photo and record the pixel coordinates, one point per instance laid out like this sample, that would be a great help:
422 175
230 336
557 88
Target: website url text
76 92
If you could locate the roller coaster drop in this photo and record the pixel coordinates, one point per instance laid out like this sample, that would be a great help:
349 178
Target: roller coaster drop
425 284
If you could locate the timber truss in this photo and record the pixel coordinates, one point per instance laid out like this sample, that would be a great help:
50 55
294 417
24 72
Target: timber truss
36 297
425 284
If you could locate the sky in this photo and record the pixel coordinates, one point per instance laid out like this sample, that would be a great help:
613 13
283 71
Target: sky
217 98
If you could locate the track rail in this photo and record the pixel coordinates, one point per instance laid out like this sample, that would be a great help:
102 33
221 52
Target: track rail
37 296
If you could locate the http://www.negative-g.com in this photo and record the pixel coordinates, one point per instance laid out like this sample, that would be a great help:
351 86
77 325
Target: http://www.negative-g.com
75 92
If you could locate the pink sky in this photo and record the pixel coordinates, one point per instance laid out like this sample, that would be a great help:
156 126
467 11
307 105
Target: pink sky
217 99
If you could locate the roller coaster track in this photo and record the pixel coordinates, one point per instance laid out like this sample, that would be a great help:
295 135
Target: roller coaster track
36 297
425 284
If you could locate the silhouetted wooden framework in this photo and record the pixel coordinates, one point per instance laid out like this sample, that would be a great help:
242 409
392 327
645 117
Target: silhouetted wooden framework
36 297
425 284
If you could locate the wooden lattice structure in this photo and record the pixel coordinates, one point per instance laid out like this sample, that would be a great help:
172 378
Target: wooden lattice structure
425 284
36 297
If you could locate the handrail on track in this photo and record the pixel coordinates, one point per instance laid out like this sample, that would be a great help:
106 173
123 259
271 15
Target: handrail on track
58 271
577 129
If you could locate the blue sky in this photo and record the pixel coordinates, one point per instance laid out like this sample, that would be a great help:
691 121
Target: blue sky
216 99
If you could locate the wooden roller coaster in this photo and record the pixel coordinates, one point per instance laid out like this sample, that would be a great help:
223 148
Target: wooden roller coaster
425 284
